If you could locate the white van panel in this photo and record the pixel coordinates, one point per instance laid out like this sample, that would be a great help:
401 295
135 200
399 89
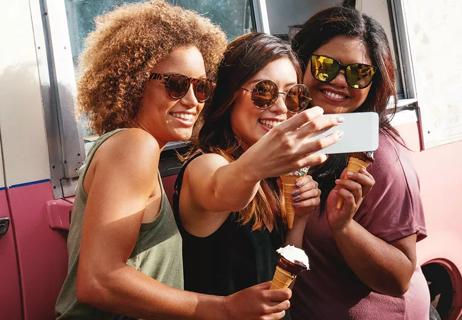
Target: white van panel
434 35
21 122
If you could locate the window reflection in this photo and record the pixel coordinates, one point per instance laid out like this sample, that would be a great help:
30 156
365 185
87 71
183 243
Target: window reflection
234 16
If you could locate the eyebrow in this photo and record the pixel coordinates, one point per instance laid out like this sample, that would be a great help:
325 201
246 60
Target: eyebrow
287 85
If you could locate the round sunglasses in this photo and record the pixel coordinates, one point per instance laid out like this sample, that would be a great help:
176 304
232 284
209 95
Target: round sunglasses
357 75
265 93
177 85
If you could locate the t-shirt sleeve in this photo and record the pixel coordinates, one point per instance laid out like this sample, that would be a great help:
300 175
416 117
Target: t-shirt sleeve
393 208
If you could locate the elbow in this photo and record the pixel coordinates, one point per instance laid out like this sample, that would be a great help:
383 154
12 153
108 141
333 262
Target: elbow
227 204
399 289
88 291
84 293
396 287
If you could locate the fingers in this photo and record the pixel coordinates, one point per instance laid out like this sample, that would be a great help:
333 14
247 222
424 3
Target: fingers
351 187
301 119
277 311
363 177
312 159
278 295
317 143
313 202
263 285
304 184
278 315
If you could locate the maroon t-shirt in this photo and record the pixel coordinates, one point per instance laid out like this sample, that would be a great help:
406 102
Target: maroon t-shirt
392 210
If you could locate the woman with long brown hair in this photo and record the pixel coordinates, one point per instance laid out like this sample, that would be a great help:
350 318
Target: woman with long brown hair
228 202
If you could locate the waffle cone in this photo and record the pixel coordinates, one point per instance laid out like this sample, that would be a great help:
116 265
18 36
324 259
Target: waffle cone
288 185
282 278
354 165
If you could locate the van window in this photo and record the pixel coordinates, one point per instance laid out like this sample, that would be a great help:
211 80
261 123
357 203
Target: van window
234 17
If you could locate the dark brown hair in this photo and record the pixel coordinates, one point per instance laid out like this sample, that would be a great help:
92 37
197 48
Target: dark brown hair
243 58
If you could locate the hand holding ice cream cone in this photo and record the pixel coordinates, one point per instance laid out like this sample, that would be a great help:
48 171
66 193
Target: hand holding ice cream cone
292 261
356 162
288 183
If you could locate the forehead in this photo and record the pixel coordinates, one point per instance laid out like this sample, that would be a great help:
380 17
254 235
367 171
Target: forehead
281 71
346 50
184 60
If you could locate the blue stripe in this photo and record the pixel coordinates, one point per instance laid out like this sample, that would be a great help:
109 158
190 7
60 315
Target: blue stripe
28 183
2 188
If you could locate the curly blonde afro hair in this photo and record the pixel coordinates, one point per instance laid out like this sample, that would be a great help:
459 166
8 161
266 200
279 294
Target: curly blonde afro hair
120 54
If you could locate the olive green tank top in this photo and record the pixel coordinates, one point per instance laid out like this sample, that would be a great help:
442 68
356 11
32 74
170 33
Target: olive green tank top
157 252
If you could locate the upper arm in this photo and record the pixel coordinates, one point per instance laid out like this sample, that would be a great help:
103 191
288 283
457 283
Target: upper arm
123 179
198 206
200 180
407 246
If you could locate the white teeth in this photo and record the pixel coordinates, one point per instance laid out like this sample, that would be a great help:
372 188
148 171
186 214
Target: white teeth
270 123
183 116
333 95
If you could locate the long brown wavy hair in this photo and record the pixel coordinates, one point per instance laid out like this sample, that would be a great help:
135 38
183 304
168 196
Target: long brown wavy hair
343 21
243 58
120 54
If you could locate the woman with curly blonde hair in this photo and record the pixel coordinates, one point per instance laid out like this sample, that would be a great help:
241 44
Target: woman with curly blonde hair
143 83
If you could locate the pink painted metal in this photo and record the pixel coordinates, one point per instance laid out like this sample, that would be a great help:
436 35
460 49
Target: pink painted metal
440 175
10 297
59 213
42 251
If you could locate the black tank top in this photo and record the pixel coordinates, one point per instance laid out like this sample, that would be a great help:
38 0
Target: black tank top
232 258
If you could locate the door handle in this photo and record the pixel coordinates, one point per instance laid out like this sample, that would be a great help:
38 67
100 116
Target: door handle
4 225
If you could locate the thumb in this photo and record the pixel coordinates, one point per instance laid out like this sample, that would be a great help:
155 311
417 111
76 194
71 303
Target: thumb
264 285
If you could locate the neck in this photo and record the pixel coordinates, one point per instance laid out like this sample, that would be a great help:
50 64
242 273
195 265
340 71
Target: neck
137 124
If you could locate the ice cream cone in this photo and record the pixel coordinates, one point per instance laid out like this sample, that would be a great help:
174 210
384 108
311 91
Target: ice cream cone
282 278
356 162
288 186
286 270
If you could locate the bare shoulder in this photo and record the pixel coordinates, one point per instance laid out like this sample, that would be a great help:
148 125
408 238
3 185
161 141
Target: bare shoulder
129 143
208 162
132 151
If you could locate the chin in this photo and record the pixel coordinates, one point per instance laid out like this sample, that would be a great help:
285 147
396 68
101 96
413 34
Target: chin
181 135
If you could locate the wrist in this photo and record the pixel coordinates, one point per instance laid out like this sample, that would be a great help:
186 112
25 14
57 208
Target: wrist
225 308
342 230
247 169
302 215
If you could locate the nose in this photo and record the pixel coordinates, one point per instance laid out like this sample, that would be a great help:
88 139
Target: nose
279 106
340 79
189 100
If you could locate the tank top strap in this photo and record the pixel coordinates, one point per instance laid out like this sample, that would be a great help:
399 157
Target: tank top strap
83 169
178 184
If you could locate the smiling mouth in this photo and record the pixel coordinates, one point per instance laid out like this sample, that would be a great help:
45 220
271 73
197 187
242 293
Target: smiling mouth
269 123
333 96
183 116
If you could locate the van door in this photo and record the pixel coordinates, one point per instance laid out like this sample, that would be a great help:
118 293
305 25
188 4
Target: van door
10 295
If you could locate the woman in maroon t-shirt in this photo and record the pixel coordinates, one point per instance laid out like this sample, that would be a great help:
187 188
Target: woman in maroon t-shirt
363 255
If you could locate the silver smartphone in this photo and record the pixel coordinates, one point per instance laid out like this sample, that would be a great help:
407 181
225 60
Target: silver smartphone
360 133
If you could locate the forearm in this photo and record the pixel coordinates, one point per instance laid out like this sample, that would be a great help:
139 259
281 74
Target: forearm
234 186
378 264
295 235
129 292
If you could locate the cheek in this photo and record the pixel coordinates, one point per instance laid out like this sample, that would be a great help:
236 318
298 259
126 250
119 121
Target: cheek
309 81
361 95
200 107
